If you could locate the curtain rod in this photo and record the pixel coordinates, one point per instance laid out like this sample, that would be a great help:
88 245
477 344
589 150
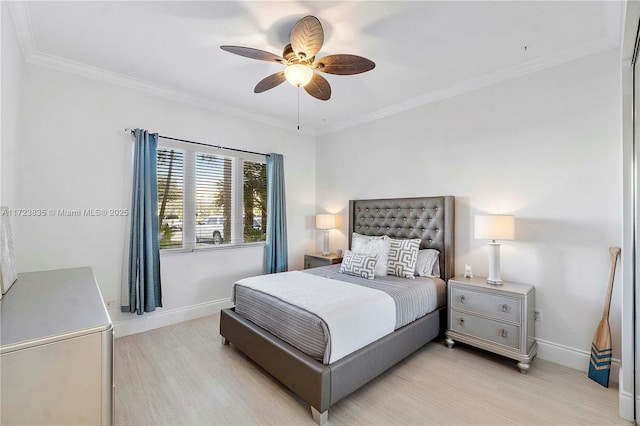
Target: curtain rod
205 144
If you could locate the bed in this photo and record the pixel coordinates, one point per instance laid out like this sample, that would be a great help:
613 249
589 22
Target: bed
431 219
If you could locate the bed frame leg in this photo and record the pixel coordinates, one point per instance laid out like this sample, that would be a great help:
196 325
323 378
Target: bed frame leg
318 417
224 341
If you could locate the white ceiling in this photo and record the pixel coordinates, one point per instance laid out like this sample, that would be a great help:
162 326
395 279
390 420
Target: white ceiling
423 50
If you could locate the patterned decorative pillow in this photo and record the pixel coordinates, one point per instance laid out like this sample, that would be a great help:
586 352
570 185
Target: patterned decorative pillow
427 264
380 246
360 265
402 257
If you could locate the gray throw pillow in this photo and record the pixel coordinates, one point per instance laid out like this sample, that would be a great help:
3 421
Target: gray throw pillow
360 265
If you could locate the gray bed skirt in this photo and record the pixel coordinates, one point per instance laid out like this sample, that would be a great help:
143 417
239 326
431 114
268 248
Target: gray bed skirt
323 385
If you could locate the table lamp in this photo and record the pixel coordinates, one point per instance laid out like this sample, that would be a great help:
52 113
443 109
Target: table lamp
325 222
494 227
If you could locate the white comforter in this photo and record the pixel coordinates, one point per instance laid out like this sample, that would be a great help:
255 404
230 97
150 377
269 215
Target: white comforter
355 315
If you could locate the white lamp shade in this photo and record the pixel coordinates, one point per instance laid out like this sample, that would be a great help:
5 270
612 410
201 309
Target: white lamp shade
298 75
325 221
494 227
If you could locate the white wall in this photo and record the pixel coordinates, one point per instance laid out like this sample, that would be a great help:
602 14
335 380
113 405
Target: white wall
544 147
74 154
11 87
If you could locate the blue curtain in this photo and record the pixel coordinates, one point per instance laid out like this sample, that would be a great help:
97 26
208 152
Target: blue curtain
144 249
276 256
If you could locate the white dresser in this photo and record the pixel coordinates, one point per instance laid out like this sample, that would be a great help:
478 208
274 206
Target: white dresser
56 351
499 319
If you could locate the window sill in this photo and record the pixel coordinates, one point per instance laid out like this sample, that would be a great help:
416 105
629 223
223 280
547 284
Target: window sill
170 252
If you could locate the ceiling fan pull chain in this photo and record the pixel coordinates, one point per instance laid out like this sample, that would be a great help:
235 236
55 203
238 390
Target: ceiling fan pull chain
298 108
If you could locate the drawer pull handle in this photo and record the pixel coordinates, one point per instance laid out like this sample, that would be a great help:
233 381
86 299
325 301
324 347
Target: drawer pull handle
505 333
462 300
462 322
505 308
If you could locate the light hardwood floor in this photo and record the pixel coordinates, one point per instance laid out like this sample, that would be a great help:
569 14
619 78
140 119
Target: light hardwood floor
181 374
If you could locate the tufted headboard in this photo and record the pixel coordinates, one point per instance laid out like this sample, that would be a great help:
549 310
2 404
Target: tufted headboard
429 218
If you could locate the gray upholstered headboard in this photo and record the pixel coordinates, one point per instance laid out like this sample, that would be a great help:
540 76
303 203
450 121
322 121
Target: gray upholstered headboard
429 218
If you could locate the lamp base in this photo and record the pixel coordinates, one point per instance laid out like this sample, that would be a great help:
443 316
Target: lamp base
325 248
494 264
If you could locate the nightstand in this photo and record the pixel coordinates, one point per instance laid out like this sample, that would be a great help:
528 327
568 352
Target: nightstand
315 260
499 319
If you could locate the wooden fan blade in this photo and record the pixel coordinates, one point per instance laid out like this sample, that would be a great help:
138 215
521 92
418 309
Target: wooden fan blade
318 87
343 64
270 82
307 37
249 52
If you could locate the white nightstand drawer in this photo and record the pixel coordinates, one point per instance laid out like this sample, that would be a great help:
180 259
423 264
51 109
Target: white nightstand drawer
495 306
483 328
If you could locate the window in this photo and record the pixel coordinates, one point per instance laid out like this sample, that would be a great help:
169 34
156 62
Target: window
170 196
207 199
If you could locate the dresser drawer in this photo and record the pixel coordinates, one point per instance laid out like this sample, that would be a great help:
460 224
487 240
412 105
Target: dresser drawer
495 306
484 328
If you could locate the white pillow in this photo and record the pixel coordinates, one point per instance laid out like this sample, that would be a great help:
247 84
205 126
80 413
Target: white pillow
355 237
427 264
373 246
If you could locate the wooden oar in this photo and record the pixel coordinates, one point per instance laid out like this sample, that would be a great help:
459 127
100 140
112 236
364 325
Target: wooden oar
600 364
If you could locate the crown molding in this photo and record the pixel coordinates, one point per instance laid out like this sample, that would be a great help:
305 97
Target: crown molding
598 46
22 23
95 73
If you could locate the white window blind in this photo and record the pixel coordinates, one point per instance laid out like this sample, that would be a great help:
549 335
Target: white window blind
220 199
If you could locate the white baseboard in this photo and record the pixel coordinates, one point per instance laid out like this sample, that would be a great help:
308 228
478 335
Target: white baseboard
625 399
168 317
625 405
572 357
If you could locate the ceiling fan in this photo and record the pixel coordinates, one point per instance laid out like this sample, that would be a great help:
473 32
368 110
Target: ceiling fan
299 57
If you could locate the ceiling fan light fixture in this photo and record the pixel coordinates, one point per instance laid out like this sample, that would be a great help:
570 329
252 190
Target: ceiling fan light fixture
298 75
302 67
